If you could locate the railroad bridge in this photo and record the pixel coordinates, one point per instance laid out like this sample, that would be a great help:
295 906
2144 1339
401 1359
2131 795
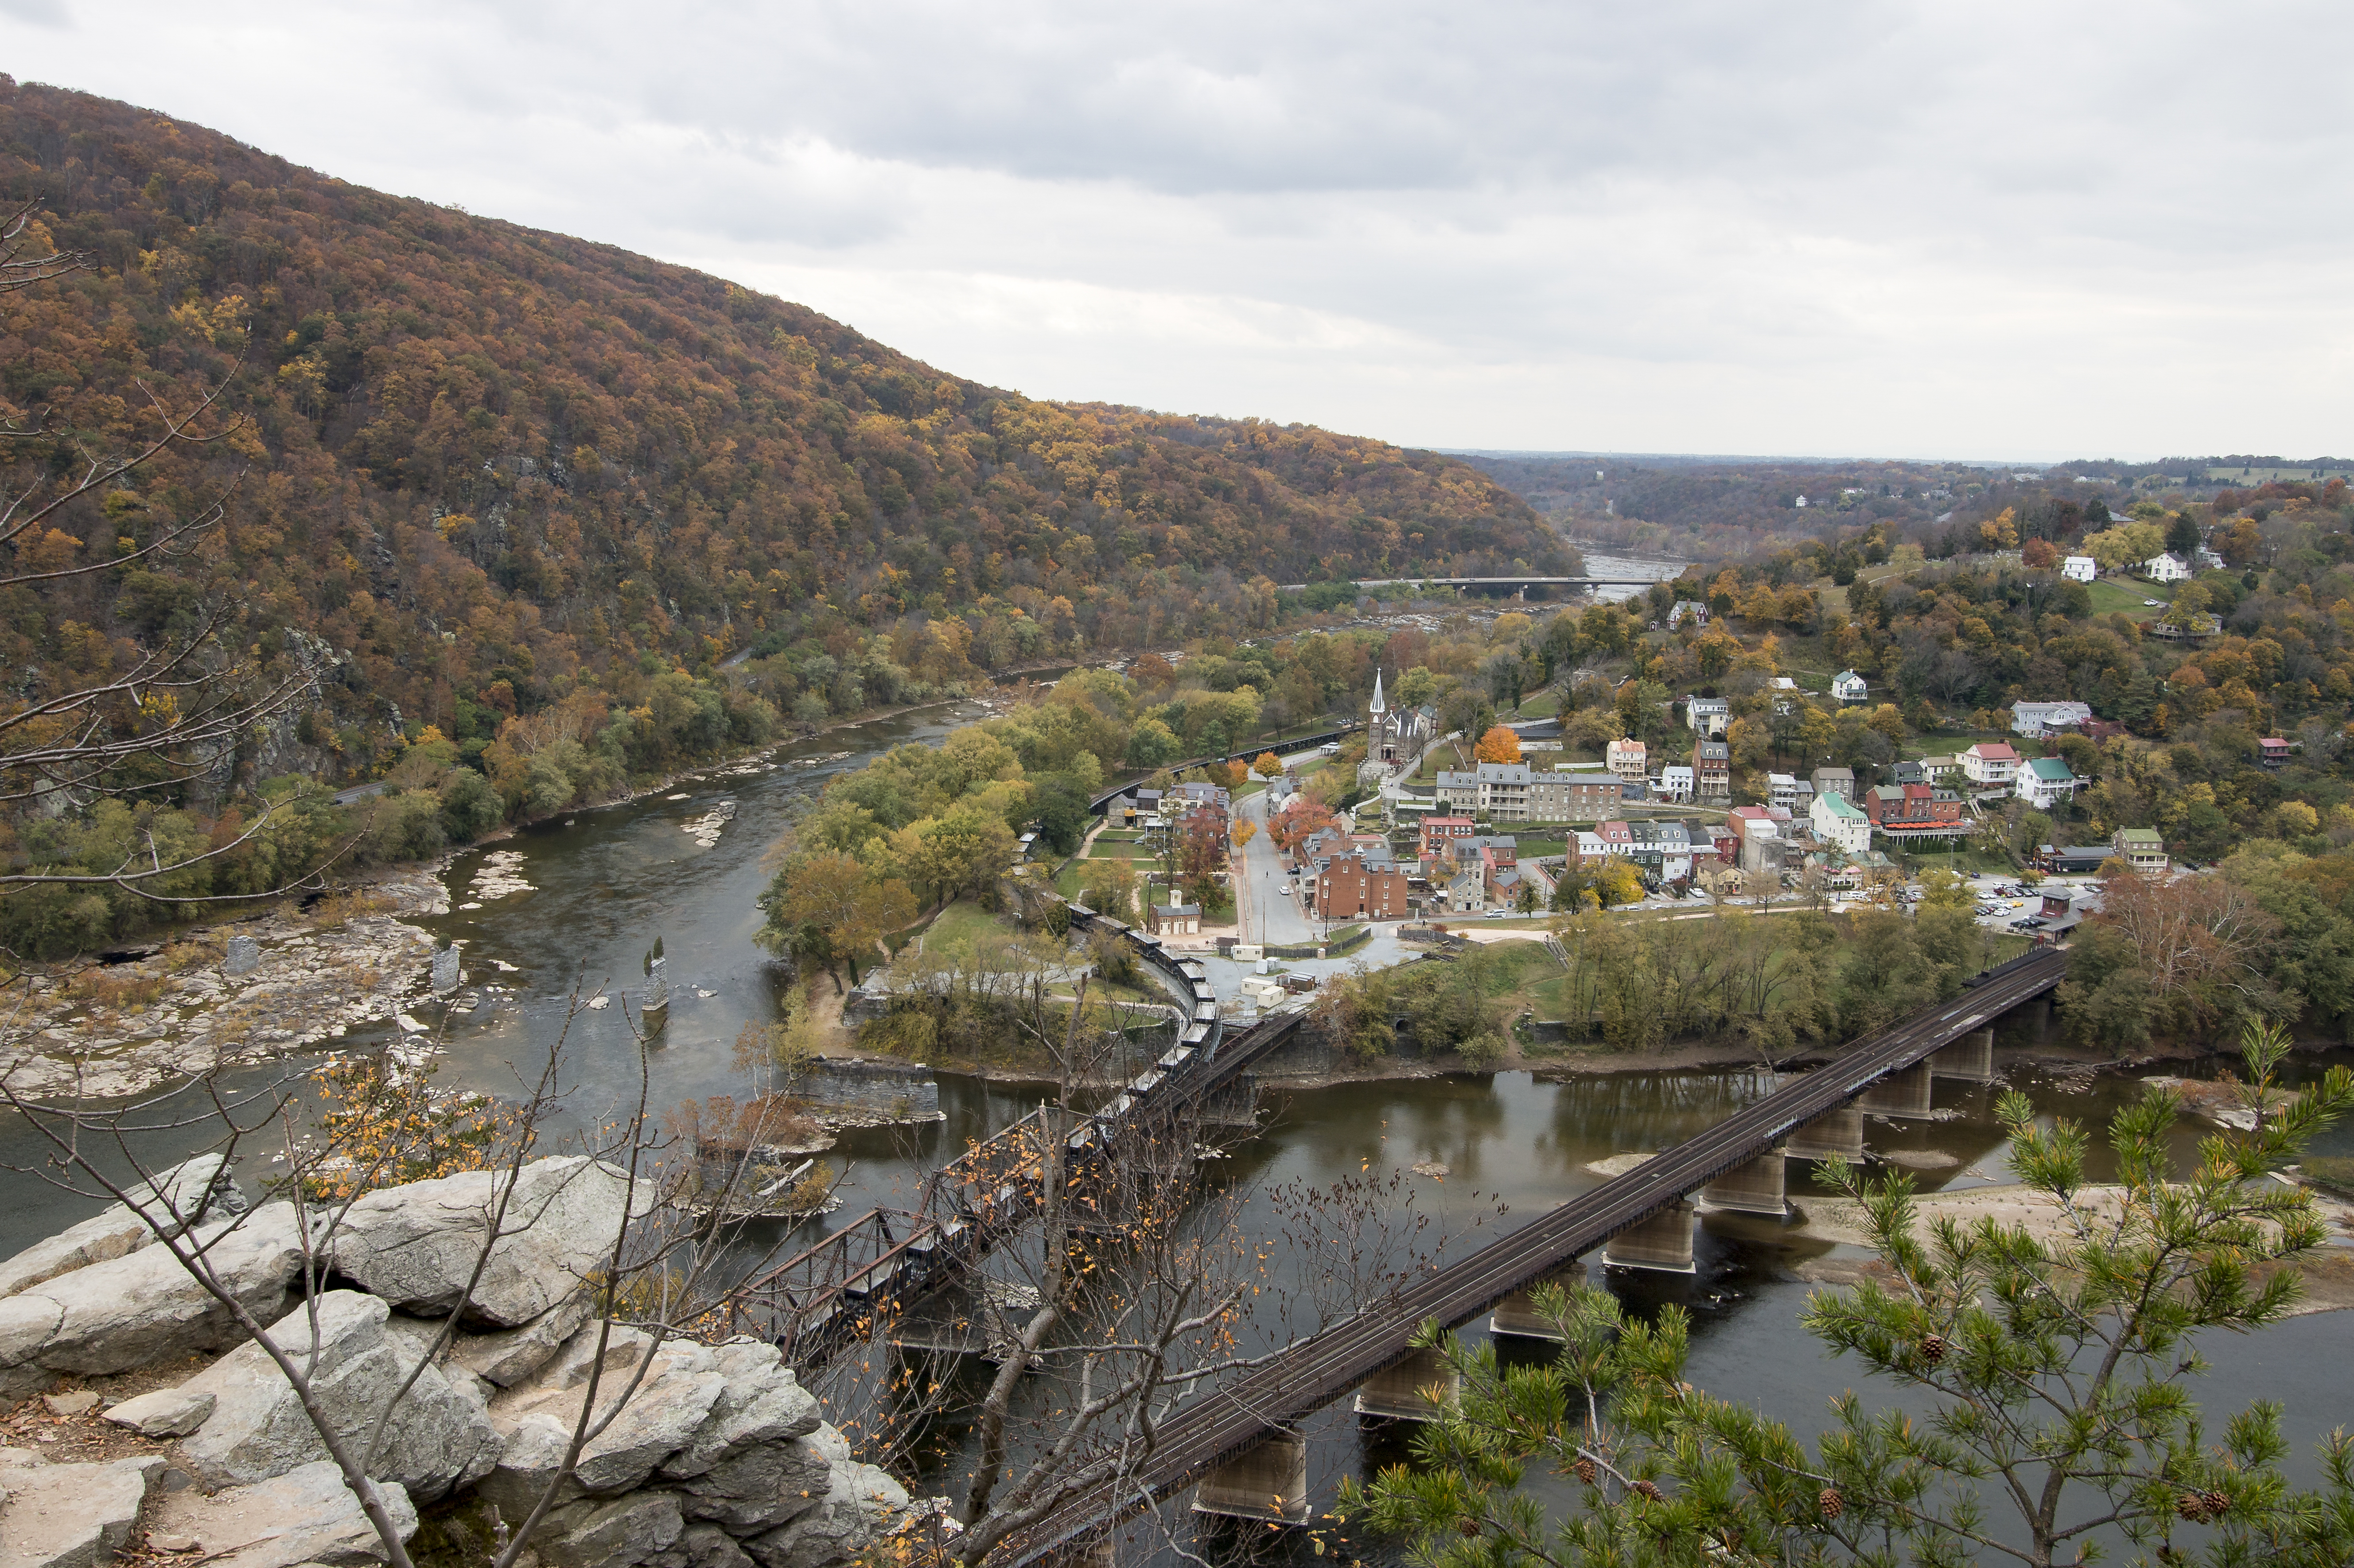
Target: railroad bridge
1237 1441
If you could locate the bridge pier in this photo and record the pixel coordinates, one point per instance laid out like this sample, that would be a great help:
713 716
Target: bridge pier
1233 1103
1267 1482
1838 1132
1517 1314
1756 1188
1970 1058
1662 1242
1903 1096
1399 1391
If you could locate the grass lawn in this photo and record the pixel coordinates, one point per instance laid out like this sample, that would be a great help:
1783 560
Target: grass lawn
1544 704
1120 850
1448 758
1533 846
1067 881
954 929
1514 965
2126 594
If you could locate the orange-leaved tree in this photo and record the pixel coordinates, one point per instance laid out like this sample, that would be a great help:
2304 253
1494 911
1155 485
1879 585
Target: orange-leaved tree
1499 745
1268 765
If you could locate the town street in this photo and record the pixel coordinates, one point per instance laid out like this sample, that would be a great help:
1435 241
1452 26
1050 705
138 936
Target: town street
1263 913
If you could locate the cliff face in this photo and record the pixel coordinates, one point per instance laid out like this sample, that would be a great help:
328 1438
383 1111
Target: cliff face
495 465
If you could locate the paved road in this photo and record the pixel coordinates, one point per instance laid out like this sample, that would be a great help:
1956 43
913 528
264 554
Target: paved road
1266 915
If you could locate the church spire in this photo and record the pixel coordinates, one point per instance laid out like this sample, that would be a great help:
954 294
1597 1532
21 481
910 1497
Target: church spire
1379 706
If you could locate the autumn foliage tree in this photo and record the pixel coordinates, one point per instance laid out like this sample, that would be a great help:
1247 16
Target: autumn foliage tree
1499 745
829 908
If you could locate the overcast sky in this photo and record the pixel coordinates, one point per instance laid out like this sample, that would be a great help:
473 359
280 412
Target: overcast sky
1948 231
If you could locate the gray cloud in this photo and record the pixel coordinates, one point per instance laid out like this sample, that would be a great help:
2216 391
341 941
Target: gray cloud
1819 226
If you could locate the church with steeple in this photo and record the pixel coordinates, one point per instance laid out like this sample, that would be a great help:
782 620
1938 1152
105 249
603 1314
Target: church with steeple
1396 737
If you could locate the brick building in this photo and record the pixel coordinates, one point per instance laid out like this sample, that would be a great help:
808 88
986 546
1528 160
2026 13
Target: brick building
1347 889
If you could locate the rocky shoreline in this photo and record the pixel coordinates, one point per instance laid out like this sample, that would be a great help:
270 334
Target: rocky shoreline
192 1006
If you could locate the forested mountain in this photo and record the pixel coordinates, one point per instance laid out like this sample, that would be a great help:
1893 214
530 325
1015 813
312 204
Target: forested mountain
494 469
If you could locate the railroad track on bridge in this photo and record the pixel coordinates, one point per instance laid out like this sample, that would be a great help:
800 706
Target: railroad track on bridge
834 1293
1318 1369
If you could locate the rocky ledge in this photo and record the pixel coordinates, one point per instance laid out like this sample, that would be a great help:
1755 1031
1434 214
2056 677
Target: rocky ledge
716 1458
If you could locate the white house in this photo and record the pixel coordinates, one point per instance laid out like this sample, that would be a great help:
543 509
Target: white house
1838 821
2036 719
1989 763
1847 686
2080 568
1707 716
2166 568
2209 561
2045 781
1786 693
1676 781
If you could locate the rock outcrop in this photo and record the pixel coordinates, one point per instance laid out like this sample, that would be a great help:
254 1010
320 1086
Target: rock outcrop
143 1307
188 1193
306 1515
431 1438
417 1246
694 1456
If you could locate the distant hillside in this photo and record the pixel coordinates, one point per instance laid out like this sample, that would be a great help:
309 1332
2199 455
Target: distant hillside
497 466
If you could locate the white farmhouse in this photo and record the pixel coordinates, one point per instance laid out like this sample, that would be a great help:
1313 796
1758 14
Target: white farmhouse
2035 720
1847 686
2080 568
2167 568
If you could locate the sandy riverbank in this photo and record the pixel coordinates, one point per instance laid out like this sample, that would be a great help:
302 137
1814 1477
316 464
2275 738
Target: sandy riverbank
2329 1274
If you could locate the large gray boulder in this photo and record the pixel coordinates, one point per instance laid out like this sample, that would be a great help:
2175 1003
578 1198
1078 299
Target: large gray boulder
860 1503
618 1533
187 1194
660 1417
436 1437
507 1356
417 1246
702 1546
760 1488
72 1516
144 1308
762 1403
306 1515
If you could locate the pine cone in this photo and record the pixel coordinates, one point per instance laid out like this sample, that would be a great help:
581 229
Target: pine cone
1933 1349
2191 1506
1648 1489
2218 1505
1586 1469
1468 1526
1830 1502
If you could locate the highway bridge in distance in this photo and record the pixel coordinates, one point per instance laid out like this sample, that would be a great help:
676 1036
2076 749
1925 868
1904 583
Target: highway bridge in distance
1228 1423
1519 584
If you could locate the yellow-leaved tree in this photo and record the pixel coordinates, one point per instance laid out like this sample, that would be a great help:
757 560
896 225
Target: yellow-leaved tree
1499 745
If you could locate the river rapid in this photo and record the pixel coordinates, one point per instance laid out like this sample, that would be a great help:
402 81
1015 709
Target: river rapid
601 886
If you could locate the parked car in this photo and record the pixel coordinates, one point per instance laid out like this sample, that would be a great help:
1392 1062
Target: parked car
2153 603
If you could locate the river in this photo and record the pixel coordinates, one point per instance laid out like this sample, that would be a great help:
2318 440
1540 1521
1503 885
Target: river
605 884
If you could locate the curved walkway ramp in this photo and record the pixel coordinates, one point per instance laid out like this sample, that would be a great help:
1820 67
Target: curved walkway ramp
1224 1426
